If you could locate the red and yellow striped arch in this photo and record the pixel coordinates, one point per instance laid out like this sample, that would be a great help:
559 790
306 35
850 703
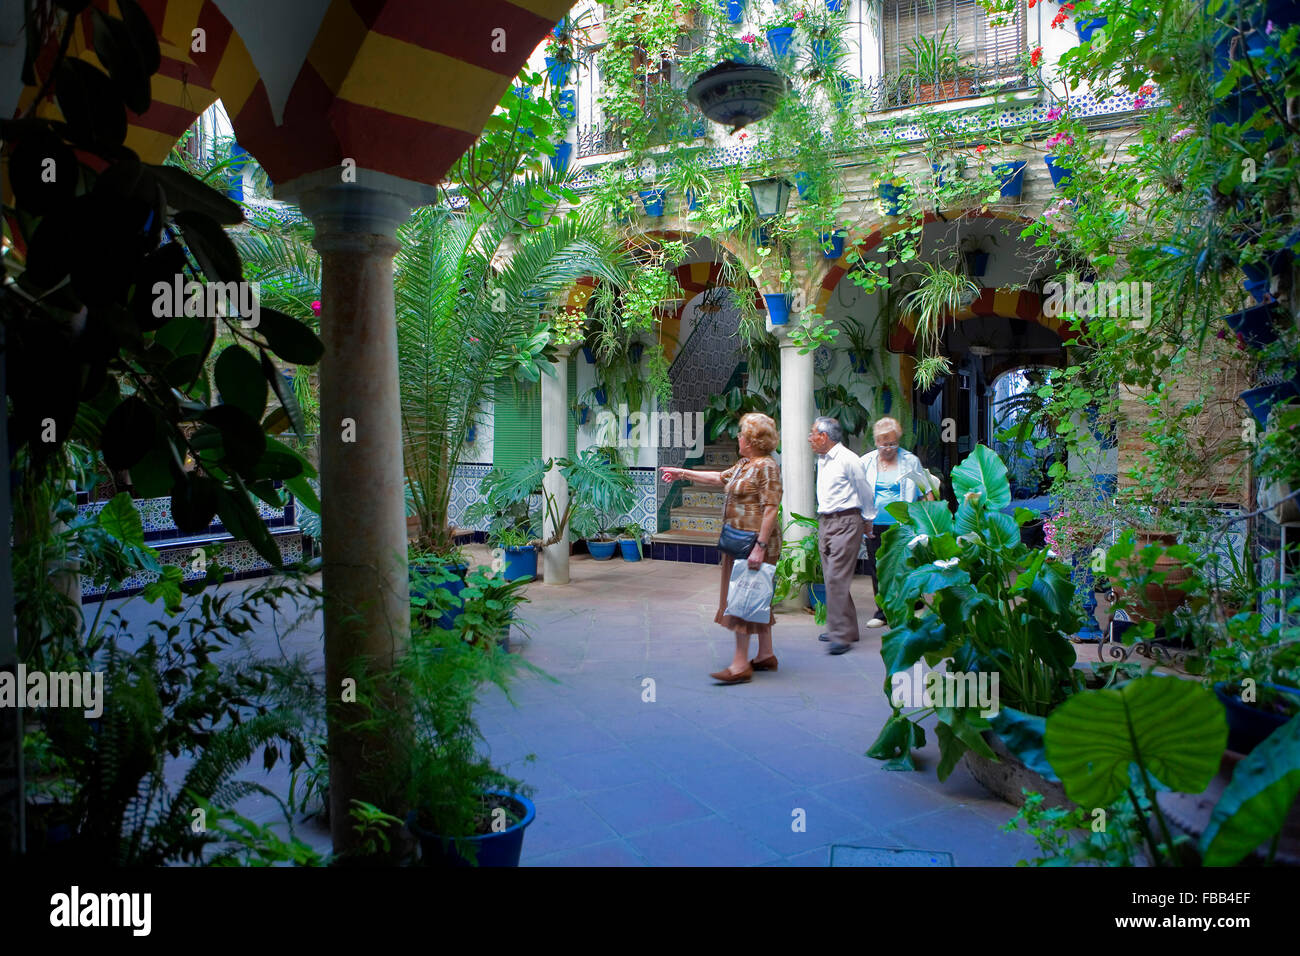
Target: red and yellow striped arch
400 86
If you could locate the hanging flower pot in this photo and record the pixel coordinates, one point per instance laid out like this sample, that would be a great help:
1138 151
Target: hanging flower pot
557 70
599 395
891 198
977 263
568 105
886 399
471 433
1060 174
832 244
834 6
634 352
802 183
1261 400
1258 289
778 307
1012 176
824 50
780 39
735 10
692 200
1255 325
861 363
560 161
736 94
589 355
653 200
1087 28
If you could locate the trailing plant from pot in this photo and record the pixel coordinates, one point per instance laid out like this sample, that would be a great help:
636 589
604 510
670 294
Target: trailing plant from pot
991 605
937 298
861 344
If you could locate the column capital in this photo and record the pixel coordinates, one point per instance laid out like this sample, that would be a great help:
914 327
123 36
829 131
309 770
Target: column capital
375 204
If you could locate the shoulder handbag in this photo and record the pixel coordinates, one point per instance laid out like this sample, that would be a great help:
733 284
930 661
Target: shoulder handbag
733 541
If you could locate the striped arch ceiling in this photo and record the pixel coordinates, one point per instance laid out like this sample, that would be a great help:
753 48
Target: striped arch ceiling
399 86
1020 303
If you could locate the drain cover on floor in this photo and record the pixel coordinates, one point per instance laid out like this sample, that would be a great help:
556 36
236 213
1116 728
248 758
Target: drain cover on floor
887 856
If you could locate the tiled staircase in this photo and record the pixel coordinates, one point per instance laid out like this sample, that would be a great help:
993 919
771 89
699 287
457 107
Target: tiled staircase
697 518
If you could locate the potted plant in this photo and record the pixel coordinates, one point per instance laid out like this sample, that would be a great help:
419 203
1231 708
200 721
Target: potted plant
800 565
934 69
780 27
937 298
861 345
436 581
629 542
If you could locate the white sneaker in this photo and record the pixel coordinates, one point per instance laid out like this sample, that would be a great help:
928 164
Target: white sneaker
875 622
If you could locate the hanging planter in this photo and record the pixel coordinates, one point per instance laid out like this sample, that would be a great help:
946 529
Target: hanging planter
735 10
803 183
736 94
589 355
778 307
832 244
780 39
891 198
824 50
977 263
568 105
1255 325
653 200
1012 176
583 413
861 363
834 6
560 161
471 433
692 200
1261 400
886 399
1060 174
634 352
599 395
557 70
1087 28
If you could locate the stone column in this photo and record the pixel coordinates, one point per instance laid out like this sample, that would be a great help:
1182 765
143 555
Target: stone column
364 564
555 444
798 410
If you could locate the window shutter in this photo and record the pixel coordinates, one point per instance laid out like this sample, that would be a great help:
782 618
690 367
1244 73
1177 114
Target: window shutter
978 42
517 424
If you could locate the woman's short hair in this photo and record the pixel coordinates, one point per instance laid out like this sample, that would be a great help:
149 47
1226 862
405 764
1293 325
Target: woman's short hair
760 431
887 426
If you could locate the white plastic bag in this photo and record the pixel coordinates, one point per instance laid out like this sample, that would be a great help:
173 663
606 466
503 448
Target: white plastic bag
749 594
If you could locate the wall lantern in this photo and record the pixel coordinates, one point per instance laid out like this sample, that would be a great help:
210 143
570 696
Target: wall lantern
771 196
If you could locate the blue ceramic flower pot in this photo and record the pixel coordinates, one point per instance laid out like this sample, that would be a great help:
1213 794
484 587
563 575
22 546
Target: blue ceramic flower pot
629 549
568 104
1261 400
599 395
560 161
1013 178
421 587
557 70
735 10
653 200
891 198
824 49
1060 174
977 263
1255 325
692 200
589 355
471 433
778 307
1087 28
521 562
832 244
601 550
816 595
635 351
1249 726
490 849
802 183
834 6
780 39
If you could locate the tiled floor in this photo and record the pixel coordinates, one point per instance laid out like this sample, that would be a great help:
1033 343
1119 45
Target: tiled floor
766 773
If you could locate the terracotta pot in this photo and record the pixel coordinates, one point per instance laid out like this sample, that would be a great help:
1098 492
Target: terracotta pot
1157 600
949 89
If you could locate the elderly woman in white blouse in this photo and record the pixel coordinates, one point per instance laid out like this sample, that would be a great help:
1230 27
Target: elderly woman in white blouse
895 474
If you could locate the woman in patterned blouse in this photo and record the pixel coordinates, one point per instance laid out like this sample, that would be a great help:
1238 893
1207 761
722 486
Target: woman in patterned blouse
753 497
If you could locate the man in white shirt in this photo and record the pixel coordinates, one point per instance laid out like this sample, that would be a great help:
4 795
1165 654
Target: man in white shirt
892 474
842 496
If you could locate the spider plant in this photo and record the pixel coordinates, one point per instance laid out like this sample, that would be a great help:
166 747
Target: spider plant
469 320
939 295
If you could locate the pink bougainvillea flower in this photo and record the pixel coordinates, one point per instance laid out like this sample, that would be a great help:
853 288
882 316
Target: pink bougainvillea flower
1059 138
472 339
315 308
1036 56
1182 134
1054 113
1139 102
1221 334
799 15
1268 28
749 38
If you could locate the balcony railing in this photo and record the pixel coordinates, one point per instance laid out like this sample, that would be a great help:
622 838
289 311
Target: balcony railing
895 91
601 138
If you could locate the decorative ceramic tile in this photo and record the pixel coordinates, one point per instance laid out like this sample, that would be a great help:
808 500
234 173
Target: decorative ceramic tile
239 556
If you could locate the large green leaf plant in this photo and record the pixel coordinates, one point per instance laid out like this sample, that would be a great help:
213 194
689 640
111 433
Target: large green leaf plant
989 604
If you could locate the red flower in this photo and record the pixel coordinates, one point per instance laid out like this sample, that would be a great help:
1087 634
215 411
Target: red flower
1059 19
1147 89
980 149
1036 57
799 15
315 308
1067 6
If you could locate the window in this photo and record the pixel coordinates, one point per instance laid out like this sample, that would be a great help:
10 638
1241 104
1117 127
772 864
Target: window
970 56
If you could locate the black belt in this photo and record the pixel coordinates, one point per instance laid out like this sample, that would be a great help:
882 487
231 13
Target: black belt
846 511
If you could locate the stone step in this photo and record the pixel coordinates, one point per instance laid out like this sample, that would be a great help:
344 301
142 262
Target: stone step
700 497
685 537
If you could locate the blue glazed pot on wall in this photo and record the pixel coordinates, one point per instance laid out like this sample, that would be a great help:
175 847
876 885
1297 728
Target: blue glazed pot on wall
1060 174
1012 176
780 39
778 307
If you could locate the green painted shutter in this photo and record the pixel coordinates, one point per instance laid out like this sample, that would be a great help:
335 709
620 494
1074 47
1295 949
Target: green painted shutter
573 400
517 425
